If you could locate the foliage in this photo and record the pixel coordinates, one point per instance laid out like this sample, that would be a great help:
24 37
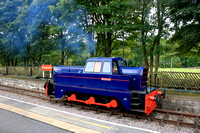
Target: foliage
186 17
67 32
109 20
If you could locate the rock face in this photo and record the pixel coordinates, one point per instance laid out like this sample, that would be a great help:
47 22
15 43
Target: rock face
33 84
177 103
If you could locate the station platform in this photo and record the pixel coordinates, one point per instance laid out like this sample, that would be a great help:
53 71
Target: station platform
17 115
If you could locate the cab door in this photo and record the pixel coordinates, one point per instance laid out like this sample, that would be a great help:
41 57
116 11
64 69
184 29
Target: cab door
118 81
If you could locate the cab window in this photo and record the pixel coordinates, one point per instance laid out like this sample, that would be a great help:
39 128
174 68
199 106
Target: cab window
115 68
122 63
93 67
106 67
97 67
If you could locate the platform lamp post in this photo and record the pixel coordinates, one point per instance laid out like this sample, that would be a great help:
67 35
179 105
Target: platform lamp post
6 60
123 44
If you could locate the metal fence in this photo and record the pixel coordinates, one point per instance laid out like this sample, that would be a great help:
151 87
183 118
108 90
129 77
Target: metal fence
174 80
178 80
23 71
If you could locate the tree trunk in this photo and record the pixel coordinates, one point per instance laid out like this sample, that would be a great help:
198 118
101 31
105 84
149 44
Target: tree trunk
160 28
143 37
8 62
109 42
104 43
25 62
145 54
62 51
16 61
33 62
151 62
151 57
98 45
67 60
157 63
11 62
62 55
157 56
40 61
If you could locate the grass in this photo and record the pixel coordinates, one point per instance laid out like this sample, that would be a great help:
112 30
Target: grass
197 70
177 93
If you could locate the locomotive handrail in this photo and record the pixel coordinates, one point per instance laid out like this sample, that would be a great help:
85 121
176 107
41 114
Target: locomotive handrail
156 81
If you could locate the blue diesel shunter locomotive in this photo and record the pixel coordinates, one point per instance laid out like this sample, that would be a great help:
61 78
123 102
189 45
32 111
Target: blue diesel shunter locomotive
105 82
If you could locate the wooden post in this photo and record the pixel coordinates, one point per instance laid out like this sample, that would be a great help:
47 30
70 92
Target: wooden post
50 74
43 74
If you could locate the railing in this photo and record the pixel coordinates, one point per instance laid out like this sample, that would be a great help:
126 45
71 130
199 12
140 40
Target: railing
178 80
22 71
153 81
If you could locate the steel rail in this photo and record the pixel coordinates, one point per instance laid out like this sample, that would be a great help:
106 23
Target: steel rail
22 89
177 113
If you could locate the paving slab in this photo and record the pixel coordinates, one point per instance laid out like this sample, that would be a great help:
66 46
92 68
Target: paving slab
14 123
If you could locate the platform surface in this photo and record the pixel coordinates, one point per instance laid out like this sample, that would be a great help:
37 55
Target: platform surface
18 116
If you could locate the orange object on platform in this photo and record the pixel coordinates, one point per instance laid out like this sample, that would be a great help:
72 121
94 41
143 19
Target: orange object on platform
150 102
46 67
91 100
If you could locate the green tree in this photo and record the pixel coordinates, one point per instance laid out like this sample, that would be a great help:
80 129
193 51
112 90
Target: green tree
39 40
145 27
152 27
70 22
9 35
161 17
186 17
109 20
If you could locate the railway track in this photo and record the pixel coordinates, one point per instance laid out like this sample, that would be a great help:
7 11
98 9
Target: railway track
176 118
26 92
159 115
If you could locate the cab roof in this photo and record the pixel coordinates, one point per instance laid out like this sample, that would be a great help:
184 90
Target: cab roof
104 59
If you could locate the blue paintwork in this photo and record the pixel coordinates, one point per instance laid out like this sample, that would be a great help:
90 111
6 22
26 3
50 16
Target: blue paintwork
136 74
76 79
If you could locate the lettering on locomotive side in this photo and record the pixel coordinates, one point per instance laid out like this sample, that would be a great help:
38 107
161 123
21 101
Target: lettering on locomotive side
106 79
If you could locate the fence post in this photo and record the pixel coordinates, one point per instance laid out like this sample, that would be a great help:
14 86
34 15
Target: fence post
150 82
43 74
31 74
185 81
50 74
